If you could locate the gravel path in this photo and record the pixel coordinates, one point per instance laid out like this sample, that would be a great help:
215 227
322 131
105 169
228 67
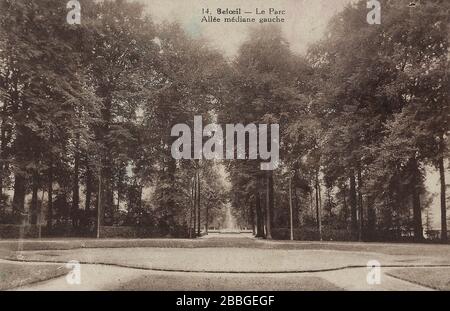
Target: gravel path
276 265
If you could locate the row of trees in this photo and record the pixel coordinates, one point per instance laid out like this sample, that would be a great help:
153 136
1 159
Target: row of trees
361 117
86 113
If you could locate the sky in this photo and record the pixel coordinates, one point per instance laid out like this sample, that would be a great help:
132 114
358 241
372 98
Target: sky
305 23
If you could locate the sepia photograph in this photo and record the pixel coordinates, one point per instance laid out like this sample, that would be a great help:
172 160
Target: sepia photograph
224 150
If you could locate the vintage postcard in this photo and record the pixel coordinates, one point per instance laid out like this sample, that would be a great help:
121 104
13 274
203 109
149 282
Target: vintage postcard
224 145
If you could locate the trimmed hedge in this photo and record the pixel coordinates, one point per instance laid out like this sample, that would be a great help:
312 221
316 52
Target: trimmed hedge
128 232
312 234
308 234
32 231
18 231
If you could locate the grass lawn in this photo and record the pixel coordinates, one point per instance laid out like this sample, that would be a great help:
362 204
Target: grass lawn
15 274
245 242
192 282
437 278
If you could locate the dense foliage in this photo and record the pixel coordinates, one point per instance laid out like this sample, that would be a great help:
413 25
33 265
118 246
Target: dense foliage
86 113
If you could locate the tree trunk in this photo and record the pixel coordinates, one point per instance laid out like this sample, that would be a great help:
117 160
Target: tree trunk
34 198
318 212
206 217
194 202
6 130
50 186
252 219
269 205
18 203
100 210
353 207
106 193
296 211
199 223
345 204
330 212
76 190
50 196
417 211
360 207
3 146
192 208
140 213
371 219
259 215
107 198
88 196
444 237
121 175
291 212
168 197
